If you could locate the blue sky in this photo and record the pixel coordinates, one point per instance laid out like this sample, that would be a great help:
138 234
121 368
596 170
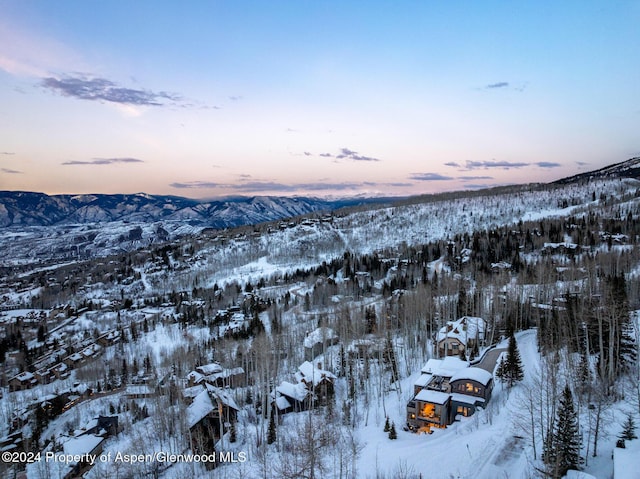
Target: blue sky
212 98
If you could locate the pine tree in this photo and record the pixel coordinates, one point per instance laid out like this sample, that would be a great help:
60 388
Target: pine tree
232 433
392 432
501 372
562 449
628 429
514 371
387 425
271 432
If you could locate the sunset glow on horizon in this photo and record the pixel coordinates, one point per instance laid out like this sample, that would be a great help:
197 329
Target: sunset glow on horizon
211 99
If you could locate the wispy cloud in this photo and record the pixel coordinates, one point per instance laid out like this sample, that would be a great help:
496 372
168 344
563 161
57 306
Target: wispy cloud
505 85
343 154
547 164
277 187
501 84
8 153
493 164
475 178
505 165
196 185
353 155
103 161
10 171
430 177
101 89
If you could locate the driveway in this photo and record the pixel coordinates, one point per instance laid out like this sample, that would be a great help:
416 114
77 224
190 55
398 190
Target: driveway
488 362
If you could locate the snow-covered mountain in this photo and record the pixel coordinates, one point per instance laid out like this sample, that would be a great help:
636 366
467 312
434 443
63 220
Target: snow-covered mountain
624 169
19 208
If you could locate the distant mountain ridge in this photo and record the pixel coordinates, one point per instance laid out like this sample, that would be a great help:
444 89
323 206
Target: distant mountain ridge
18 208
625 169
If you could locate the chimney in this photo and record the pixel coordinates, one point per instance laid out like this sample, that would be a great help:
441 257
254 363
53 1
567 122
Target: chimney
319 365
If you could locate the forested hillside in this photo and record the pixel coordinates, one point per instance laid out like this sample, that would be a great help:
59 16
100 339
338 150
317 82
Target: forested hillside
310 335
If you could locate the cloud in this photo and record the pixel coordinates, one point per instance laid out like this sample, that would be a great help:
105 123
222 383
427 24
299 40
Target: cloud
502 84
276 187
10 171
475 178
195 185
548 164
346 153
103 161
453 164
306 153
430 177
326 155
101 89
235 98
581 163
8 153
505 165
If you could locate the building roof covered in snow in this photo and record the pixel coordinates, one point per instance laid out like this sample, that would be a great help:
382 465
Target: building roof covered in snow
625 461
310 374
449 366
207 369
296 391
199 408
222 396
435 397
431 366
466 327
82 444
473 374
319 336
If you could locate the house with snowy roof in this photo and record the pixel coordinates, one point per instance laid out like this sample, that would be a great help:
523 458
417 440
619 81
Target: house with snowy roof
317 341
209 416
22 381
317 380
292 397
216 375
314 386
79 449
460 336
447 389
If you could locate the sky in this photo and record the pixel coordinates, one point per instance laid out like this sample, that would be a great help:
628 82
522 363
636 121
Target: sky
207 99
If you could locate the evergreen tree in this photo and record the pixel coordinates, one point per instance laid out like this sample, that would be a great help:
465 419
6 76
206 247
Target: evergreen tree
628 428
387 425
232 433
271 432
389 358
124 372
392 432
514 371
501 373
562 451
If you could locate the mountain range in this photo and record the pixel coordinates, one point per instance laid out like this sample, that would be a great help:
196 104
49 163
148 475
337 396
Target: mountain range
18 208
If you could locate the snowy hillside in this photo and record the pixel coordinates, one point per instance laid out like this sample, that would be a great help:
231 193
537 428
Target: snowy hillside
283 349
